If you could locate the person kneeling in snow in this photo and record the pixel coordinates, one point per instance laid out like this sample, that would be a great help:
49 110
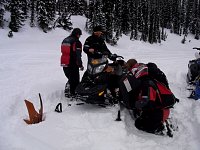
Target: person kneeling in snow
150 99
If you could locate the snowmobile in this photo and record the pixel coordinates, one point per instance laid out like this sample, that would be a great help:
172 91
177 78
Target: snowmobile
99 83
193 68
193 76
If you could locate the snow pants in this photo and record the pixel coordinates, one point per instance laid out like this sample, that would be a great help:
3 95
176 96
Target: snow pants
73 76
151 121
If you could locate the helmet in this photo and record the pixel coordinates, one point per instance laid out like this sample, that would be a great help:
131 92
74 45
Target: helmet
76 31
99 28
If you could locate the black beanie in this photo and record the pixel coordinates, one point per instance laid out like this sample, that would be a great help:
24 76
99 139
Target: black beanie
76 31
99 28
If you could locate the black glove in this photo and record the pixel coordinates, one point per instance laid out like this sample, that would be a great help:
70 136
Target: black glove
113 57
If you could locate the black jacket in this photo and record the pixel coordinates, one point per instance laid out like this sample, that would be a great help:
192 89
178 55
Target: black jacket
96 43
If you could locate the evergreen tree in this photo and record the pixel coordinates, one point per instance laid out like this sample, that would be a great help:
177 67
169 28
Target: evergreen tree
176 21
141 19
2 10
96 16
24 8
126 23
60 8
166 14
17 15
64 19
108 7
77 7
51 10
117 22
82 7
46 11
42 17
157 22
133 19
182 15
72 7
162 20
154 32
195 24
145 20
188 19
99 15
33 12
89 22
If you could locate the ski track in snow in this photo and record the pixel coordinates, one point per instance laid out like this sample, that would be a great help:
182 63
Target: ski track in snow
30 65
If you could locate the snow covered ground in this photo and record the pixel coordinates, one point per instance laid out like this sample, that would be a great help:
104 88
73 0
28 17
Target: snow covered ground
30 64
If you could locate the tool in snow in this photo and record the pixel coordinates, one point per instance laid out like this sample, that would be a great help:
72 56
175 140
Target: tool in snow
59 108
34 116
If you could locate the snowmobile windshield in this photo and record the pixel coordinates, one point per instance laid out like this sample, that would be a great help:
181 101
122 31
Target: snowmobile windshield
99 61
96 66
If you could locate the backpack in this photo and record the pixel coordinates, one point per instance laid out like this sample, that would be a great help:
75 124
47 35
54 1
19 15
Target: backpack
154 95
156 73
140 90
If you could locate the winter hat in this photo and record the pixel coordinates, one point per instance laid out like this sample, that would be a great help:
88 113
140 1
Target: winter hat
130 63
99 28
76 31
152 68
151 65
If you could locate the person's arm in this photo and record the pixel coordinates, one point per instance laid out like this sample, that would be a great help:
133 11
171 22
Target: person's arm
79 54
87 47
106 51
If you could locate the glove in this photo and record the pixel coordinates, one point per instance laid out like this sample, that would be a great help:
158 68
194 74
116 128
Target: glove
113 57
81 68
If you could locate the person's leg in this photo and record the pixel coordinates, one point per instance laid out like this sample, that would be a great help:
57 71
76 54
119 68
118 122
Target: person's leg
150 122
66 72
74 79
67 85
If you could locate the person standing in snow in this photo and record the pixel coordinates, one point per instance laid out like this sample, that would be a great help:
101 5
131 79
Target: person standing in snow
95 44
71 61
95 47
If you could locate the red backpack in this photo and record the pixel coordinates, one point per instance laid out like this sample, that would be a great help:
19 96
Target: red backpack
162 96
153 94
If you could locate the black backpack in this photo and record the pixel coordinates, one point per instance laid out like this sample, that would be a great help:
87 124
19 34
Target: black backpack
156 73
154 95
129 88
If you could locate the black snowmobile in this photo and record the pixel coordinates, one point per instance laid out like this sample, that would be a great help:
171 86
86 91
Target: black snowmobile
193 68
99 83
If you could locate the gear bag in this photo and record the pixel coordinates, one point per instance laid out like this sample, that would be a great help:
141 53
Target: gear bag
153 95
129 88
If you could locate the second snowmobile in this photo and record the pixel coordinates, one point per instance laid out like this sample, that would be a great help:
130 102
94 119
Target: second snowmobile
194 68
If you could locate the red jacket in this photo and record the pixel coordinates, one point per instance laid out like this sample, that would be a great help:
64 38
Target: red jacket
71 49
